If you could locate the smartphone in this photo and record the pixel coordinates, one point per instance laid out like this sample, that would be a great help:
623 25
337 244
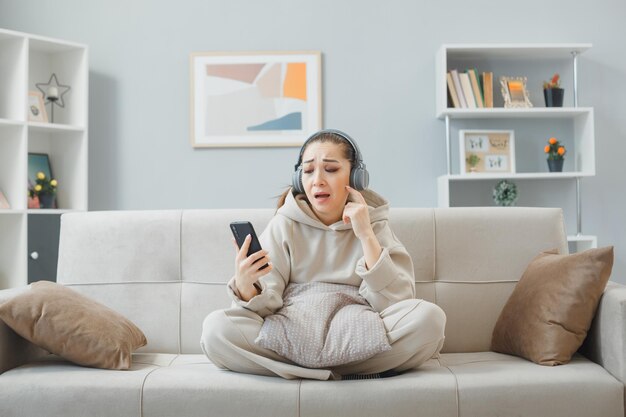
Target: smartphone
242 229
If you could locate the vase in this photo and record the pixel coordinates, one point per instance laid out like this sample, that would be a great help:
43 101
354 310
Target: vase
555 165
46 201
553 97
33 202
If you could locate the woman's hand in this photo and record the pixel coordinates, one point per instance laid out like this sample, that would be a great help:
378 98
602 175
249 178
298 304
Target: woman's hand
247 270
357 213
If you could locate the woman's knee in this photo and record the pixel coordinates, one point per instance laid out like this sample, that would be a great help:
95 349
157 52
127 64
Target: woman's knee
437 316
214 330
428 319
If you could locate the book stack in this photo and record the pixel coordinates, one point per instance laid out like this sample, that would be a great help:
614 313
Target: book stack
469 90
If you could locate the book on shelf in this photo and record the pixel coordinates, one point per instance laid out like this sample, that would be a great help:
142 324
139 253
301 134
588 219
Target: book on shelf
470 89
457 85
479 80
466 85
478 95
452 91
488 88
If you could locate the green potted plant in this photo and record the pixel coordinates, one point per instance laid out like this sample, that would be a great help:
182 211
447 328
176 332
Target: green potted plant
556 153
472 160
45 189
552 92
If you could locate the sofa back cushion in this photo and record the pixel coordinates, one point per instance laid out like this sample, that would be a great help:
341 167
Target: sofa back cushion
166 270
481 253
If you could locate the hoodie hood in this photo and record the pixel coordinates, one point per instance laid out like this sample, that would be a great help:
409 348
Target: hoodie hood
298 209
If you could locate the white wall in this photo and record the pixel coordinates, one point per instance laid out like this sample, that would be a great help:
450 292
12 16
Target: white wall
378 85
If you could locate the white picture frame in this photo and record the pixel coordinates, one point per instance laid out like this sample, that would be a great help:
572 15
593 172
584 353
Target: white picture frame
514 92
494 148
255 99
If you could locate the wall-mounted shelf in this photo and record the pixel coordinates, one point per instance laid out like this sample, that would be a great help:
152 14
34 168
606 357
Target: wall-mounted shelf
502 113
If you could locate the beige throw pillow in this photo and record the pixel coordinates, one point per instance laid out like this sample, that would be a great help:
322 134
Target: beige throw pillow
75 327
547 316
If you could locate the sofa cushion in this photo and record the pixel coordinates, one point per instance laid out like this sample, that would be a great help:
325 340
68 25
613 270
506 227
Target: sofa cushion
73 326
56 387
547 316
429 390
480 254
192 386
496 384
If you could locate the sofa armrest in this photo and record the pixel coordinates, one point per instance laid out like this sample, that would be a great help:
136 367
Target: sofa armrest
606 340
14 349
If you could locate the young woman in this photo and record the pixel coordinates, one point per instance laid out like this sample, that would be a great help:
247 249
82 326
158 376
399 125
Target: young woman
325 230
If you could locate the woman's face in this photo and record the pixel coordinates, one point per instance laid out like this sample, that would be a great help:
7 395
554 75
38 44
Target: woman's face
325 174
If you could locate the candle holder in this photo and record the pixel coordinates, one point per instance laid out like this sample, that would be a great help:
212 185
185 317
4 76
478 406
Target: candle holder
53 93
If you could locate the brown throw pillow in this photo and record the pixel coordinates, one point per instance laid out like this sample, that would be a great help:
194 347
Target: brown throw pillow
547 316
75 327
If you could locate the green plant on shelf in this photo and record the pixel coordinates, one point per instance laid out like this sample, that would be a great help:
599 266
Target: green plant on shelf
555 82
554 150
43 186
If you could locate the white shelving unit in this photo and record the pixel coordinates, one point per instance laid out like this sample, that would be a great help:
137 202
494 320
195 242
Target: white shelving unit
26 59
574 125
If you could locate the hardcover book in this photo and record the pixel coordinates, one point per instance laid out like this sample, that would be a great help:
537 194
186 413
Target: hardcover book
466 85
478 94
459 89
452 90
488 88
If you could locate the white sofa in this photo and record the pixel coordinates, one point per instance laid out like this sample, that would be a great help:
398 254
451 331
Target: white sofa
166 270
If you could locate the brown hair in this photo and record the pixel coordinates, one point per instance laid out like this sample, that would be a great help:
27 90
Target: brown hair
348 153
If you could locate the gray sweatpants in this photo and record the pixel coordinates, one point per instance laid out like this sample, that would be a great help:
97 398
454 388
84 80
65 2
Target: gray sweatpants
415 329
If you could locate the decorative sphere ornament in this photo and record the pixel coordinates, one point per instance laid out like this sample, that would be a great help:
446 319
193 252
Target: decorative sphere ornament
505 193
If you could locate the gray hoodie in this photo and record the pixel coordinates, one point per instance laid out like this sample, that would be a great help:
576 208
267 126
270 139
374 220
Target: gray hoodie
303 249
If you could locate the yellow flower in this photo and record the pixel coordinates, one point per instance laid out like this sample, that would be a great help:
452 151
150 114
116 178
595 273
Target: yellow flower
552 141
41 175
38 187
53 183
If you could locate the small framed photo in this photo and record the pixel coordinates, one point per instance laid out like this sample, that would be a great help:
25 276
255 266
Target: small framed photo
255 99
487 151
36 108
514 92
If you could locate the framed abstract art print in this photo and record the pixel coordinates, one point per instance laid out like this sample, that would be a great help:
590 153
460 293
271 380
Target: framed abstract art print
255 98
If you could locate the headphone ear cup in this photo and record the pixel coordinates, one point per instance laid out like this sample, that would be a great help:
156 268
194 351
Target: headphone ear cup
353 179
359 178
296 181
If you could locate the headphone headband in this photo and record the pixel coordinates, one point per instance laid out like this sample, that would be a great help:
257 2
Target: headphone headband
357 153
